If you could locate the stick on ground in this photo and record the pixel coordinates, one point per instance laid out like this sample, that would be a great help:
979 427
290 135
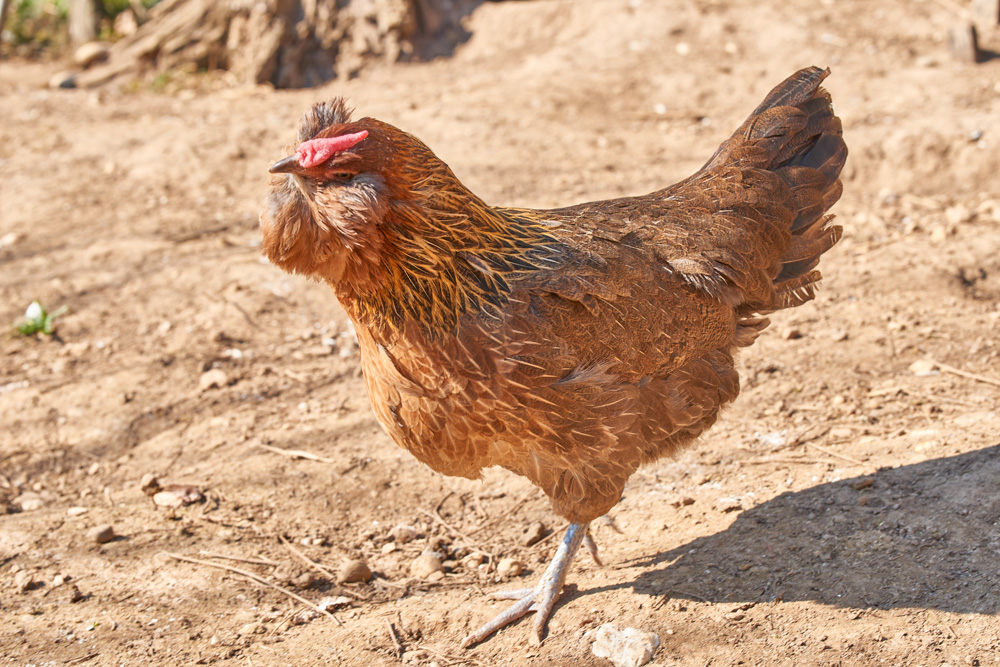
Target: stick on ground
262 582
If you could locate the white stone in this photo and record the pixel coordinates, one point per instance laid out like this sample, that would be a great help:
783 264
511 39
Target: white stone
624 648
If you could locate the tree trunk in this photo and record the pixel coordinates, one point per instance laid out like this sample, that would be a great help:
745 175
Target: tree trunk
82 21
287 43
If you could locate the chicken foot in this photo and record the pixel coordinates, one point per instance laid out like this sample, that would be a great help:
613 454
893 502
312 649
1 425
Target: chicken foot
543 596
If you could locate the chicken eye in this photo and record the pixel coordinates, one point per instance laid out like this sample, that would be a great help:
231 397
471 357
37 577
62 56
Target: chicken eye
341 176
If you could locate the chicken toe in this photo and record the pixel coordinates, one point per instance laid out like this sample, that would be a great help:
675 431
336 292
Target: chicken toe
542 598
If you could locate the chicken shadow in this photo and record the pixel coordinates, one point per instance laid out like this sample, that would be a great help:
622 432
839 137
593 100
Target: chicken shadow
924 535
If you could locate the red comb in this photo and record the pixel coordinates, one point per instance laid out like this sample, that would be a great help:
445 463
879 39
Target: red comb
317 151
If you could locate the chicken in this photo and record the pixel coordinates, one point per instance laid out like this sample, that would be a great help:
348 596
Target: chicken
571 345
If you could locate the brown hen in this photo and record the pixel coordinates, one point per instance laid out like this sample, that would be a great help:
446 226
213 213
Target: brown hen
571 345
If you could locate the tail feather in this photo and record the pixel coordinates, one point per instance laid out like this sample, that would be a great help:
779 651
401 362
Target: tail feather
781 174
809 161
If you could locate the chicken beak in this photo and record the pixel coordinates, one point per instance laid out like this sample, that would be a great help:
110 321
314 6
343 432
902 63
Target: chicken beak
289 165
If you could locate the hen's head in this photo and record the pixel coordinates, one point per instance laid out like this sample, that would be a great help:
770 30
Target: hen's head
328 202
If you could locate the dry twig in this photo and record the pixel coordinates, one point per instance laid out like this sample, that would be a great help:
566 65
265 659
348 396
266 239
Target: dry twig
972 376
834 454
319 568
394 638
294 453
262 582
779 460
254 561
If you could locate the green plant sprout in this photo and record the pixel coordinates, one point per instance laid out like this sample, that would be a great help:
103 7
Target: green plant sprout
36 319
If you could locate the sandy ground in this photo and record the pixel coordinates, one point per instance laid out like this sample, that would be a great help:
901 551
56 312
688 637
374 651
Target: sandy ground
844 511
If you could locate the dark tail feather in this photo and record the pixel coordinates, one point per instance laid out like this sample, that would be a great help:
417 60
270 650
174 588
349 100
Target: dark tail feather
796 135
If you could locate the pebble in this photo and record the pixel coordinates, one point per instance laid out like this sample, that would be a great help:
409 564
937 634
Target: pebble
403 533
624 648
29 502
957 214
388 548
473 560
791 333
727 505
839 432
419 656
509 567
533 533
177 496
23 581
101 534
330 603
923 368
251 629
424 565
149 484
354 571
63 80
76 511
212 379
839 335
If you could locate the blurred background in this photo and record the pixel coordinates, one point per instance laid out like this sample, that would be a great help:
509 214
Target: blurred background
160 381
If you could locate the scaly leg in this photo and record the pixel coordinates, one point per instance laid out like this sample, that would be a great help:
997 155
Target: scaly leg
542 597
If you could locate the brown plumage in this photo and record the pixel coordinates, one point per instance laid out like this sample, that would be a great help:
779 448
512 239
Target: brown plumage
571 345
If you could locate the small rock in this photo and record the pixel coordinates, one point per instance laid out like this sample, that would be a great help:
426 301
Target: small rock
839 432
419 656
624 648
924 367
388 548
76 511
940 233
73 594
250 629
509 567
839 335
101 534
354 571
473 560
304 580
212 379
958 214
59 580
29 501
425 565
771 439
533 533
403 533
727 505
791 333
963 42
177 495
435 576
23 581
63 80
149 484
90 53
333 603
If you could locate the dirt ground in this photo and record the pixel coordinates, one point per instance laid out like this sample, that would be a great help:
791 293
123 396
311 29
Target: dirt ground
844 511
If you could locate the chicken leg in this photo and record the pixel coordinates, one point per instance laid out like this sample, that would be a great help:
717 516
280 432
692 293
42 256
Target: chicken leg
543 596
